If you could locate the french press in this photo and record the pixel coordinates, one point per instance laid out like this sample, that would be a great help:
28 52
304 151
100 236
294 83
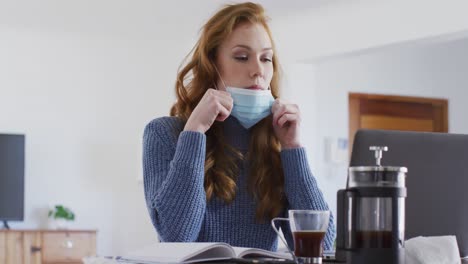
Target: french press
371 214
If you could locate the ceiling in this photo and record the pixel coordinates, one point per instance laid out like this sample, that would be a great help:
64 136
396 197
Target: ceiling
304 30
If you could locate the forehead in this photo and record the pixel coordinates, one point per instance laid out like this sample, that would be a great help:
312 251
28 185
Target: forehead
252 35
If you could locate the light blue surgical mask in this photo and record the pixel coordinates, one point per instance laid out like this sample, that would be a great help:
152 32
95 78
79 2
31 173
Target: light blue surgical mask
250 106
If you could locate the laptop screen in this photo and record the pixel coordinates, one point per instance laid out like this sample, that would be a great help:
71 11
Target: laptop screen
437 178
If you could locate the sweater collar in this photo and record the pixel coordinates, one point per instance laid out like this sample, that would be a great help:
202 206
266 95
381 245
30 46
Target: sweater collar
236 135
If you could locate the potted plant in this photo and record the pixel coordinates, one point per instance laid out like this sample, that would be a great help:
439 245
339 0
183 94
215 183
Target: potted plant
61 215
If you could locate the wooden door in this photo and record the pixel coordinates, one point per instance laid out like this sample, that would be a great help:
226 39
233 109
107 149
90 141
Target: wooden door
373 111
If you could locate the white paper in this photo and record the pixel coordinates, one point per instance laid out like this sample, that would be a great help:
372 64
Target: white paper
432 250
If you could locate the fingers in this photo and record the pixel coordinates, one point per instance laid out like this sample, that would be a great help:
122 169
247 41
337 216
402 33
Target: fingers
218 92
223 113
226 100
276 104
283 112
222 103
214 105
222 97
293 118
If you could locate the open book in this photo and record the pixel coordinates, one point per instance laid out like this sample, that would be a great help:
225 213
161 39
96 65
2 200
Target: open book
195 252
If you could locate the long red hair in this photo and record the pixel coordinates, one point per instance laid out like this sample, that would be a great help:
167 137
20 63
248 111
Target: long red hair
266 179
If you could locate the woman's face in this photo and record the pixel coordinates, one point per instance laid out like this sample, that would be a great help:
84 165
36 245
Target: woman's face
244 59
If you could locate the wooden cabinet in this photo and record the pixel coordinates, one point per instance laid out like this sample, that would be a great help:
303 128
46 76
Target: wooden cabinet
46 246
31 248
2 248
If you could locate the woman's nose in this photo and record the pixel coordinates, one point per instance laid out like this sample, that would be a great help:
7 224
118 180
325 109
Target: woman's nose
256 69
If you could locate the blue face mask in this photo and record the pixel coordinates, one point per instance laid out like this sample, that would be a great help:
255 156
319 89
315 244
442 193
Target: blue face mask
250 106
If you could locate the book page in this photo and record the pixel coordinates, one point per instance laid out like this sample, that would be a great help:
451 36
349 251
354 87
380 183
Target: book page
216 252
256 253
180 252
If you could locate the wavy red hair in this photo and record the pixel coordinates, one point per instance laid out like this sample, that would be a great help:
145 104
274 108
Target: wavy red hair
266 179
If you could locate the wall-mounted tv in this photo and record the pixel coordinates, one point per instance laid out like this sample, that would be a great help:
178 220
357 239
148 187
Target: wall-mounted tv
11 178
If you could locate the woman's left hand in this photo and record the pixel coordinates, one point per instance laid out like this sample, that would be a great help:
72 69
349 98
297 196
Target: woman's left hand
286 122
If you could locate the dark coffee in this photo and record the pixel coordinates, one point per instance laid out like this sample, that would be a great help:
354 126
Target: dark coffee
374 239
308 243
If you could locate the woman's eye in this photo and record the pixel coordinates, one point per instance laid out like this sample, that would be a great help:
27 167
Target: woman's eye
267 59
241 58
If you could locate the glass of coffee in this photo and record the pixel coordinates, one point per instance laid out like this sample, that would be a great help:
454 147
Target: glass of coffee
308 228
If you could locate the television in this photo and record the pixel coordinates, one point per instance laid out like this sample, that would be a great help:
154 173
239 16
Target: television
11 178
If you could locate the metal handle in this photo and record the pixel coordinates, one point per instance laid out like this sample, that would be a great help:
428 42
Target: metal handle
346 211
277 232
68 244
35 249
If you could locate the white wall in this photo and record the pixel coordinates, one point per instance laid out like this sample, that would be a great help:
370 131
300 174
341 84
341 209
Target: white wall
82 102
82 78
421 69
330 27
81 81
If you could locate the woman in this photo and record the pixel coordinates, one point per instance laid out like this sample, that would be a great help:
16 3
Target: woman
229 158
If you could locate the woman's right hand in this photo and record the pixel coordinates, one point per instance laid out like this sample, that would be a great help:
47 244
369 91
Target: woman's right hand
214 105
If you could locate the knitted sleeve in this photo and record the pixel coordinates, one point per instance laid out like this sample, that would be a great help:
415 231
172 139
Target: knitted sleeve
302 191
173 169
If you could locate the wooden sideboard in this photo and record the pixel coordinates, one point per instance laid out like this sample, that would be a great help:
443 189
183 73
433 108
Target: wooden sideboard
46 246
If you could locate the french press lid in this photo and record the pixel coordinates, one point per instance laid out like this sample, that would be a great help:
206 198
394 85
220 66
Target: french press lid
378 175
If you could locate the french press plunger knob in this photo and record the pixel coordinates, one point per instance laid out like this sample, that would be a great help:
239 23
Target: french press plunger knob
378 152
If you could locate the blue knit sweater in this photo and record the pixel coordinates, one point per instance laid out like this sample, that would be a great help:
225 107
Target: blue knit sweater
173 167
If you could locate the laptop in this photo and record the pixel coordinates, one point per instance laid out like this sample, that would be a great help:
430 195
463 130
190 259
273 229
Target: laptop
437 178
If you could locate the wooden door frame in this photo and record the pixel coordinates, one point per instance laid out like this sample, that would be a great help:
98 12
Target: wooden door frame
354 109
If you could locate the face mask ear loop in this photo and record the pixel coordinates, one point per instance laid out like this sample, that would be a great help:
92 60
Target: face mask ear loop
225 87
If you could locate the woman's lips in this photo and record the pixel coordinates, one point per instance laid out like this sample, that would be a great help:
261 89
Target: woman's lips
255 87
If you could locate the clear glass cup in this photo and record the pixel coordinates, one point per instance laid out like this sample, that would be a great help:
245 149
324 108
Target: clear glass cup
308 228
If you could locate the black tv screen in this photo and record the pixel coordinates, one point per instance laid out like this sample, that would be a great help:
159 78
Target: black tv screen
11 177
